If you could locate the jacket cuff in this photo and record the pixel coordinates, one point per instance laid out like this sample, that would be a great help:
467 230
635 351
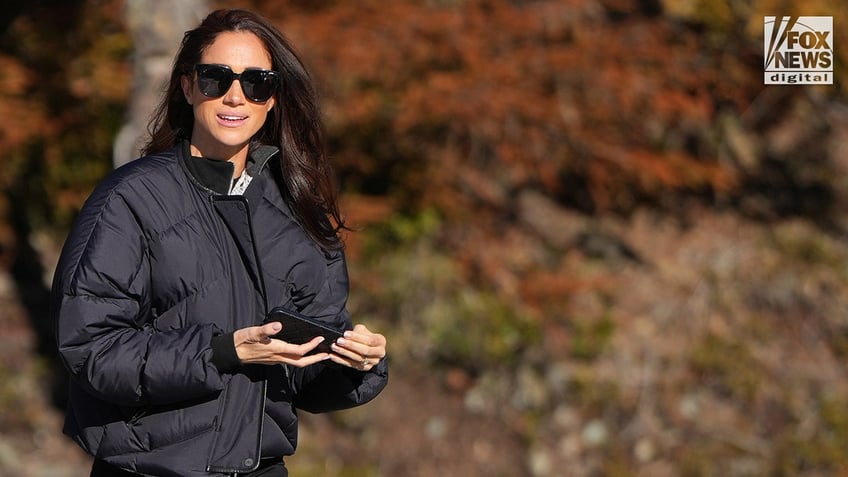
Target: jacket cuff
224 355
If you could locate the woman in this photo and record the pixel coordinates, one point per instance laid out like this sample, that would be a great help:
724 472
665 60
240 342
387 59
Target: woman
175 260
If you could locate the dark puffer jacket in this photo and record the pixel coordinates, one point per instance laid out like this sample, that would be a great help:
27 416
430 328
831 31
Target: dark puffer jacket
156 265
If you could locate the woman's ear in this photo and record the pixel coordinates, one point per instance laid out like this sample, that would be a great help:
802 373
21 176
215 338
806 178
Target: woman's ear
187 86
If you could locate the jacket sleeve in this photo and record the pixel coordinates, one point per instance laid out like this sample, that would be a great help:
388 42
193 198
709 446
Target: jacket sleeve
101 314
326 387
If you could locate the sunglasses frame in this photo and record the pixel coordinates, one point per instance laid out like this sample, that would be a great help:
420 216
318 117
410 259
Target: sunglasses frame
248 85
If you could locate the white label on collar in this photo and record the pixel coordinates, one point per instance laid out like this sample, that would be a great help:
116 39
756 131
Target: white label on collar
241 184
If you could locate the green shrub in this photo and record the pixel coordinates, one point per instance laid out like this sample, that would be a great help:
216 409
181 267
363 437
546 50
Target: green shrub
436 313
727 367
589 337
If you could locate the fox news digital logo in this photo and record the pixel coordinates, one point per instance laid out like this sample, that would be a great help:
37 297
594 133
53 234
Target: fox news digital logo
798 50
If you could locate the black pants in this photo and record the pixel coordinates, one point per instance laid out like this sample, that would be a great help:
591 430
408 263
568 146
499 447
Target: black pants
267 468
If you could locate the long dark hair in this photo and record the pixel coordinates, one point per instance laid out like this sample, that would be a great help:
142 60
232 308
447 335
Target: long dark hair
293 125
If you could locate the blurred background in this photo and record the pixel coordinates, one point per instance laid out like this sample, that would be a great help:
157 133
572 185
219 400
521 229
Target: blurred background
597 243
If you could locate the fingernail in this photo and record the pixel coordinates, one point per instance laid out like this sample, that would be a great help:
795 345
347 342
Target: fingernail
276 326
348 334
341 341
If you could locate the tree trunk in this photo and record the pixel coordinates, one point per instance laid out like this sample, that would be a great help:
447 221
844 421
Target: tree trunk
156 28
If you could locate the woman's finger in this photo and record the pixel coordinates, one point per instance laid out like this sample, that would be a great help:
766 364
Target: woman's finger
363 364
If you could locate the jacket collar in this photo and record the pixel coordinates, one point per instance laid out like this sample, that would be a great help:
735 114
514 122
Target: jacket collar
259 157
216 176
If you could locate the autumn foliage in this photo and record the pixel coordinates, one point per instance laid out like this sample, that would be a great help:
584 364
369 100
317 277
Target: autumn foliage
603 106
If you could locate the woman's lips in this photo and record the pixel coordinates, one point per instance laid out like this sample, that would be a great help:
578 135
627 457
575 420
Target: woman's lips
231 119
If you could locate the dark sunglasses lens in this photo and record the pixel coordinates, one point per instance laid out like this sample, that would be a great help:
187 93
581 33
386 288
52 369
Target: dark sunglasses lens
258 85
214 81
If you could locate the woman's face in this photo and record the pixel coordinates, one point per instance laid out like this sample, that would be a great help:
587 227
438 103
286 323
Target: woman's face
224 126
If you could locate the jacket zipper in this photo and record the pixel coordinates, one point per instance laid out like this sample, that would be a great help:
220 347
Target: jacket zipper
264 295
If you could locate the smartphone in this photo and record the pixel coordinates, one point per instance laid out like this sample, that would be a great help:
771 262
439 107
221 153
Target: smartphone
299 329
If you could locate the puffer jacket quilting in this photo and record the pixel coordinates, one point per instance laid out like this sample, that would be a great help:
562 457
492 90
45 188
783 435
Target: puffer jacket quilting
154 267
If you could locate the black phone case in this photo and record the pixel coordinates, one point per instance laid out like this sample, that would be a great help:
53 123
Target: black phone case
299 329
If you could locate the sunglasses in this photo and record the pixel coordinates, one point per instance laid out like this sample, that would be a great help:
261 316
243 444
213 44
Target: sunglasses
215 80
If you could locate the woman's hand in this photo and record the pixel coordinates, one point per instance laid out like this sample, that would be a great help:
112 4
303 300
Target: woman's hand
359 349
255 345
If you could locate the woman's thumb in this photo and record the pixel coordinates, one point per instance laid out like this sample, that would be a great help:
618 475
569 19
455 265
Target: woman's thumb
273 328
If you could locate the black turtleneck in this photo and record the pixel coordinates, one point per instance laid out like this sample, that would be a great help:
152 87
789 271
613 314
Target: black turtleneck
214 174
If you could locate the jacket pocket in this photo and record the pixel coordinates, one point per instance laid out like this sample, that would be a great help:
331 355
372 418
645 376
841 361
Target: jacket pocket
161 426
